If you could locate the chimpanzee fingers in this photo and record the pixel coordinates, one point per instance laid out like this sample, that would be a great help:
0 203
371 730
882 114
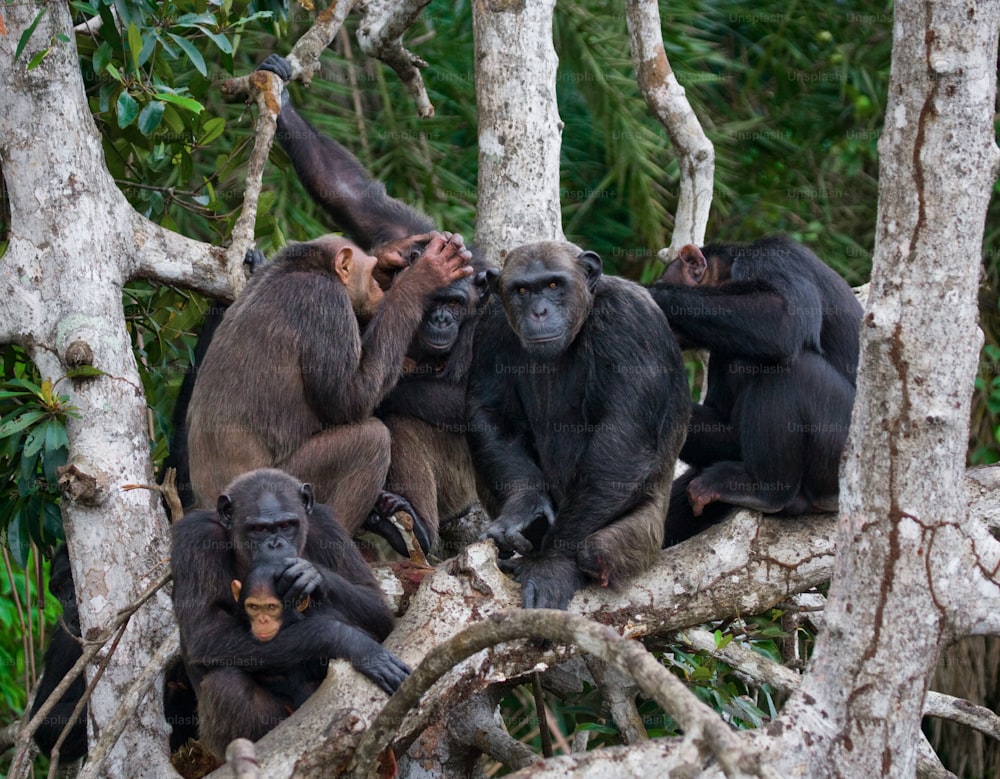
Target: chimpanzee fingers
254 258
379 521
275 63
508 538
549 582
383 668
298 580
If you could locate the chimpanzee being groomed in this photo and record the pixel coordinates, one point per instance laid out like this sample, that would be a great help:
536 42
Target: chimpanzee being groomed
299 363
267 515
578 404
782 332
425 412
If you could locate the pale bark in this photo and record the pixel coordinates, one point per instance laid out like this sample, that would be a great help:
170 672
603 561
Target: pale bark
911 569
71 250
380 35
520 131
666 99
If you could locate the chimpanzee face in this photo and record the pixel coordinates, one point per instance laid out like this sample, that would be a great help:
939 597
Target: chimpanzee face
267 524
547 290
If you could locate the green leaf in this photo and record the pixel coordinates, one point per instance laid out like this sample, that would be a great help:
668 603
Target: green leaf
194 20
18 539
102 57
134 44
26 35
55 437
219 40
113 72
27 419
128 109
182 102
150 116
193 54
34 441
148 47
37 59
211 130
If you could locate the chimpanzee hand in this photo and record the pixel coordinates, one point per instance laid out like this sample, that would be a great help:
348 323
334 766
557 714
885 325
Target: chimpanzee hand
531 511
278 65
547 582
299 579
392 257
383 668
282 68
254 259
444 260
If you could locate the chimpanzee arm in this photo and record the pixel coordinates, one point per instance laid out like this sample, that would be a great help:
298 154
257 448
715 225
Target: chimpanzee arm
434 400
336 180
347 580
755 320
499 439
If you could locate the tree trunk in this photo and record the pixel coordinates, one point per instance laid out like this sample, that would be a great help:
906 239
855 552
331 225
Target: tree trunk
520 132
903 505
70 252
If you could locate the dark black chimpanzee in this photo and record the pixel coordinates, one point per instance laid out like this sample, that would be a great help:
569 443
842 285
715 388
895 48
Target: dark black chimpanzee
782 332
266 514
578 404
430 464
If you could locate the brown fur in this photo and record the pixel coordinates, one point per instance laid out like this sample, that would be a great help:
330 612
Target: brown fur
291 380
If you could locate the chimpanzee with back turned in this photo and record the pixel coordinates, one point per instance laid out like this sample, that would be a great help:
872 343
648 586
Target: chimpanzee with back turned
425 413
299 363
578 404
262 516
782 332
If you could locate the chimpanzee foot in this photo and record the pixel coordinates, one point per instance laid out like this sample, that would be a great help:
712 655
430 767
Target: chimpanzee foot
379 521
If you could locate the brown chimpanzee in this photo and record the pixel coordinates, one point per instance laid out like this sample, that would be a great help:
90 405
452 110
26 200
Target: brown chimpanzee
782 332
266 515
425 413
578 404
299 363
265 613
60 656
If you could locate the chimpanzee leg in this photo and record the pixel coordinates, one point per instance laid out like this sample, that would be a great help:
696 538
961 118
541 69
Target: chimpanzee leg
629 545
792 428
432 469
681 523
710 438
231 705
347 467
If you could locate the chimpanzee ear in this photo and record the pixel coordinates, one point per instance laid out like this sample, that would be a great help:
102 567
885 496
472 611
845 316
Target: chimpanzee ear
695 264
486 282
303 604
306 494
237 586
592 268
225 508
343 264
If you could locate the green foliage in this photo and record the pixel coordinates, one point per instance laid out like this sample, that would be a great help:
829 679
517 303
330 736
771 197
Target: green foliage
26 620
33 444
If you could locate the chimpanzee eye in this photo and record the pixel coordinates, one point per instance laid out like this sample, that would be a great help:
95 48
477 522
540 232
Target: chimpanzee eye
553 285
522 290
